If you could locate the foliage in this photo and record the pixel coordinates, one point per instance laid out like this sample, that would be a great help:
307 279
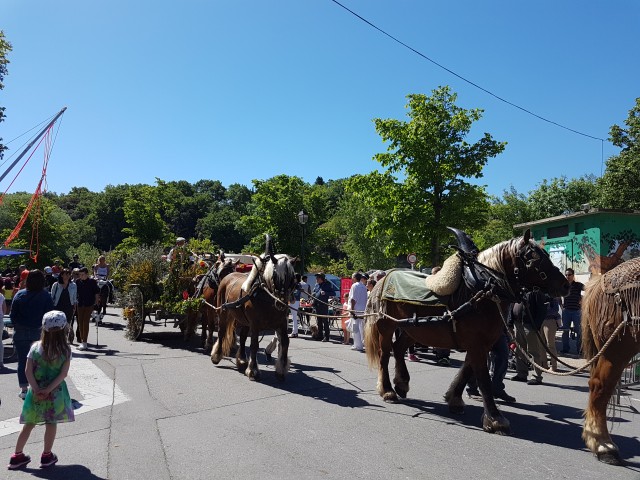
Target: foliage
619 187
432 156
142 209
188 305
143 266
560 196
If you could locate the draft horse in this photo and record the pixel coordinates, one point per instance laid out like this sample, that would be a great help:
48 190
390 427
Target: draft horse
466 319
206 287
252 303
609 300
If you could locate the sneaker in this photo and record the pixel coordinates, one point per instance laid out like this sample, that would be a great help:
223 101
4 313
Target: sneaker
82 346
48 460
18 460
23 394
518 378
293 335
325 340
534 381
412 358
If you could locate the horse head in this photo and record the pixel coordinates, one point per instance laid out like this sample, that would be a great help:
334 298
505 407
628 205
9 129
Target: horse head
534 269
226 267
280 277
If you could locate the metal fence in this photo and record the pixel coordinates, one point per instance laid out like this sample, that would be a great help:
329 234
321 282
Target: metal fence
630 377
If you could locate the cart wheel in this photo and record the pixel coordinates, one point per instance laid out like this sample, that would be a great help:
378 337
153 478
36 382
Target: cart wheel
134 312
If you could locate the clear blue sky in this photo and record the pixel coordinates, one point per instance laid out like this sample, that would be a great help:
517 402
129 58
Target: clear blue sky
242 90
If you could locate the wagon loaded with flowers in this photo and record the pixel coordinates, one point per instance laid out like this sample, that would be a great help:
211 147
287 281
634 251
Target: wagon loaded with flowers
154 286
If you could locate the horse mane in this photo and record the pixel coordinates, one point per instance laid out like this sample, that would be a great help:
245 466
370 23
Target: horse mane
258 265
493 257
264 267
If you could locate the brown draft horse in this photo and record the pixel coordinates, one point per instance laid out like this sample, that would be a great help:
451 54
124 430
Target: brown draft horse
206 286
609 300
248 304
519 263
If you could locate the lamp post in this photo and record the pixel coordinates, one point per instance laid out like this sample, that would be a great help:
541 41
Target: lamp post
303 218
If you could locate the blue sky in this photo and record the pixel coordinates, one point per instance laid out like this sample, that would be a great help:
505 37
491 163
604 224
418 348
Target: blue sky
242 90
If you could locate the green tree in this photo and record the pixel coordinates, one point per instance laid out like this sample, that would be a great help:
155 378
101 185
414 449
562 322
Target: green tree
425 185
619 187
142 207
108 218
273 209
5 48
560 195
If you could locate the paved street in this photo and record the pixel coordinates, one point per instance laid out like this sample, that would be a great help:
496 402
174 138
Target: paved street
158 409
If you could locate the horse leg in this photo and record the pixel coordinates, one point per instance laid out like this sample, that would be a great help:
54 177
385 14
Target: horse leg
492 420
386 346
241 353
252 370
603 381
283 362
216 350
402 377
453 396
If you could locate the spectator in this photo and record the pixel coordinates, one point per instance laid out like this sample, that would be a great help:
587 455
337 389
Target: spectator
49 280
88 297
499 357
48 401
550 327
357 302
295 306
3 309
527 318
29 306
65 297
322 291
572 312
345 318
74 263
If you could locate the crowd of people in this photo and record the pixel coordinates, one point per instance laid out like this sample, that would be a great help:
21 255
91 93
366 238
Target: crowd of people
42 306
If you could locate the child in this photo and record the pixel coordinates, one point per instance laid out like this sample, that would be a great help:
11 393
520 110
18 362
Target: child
48 400
345 319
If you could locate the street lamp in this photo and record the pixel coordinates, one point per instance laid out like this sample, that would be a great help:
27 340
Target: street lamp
303 218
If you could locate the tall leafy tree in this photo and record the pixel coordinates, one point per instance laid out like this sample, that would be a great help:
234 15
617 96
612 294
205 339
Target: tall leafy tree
109 219
428 167
619 187
5 48
145 226
561 195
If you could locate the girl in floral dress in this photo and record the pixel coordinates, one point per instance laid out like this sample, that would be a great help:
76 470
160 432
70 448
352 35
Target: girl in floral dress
48 401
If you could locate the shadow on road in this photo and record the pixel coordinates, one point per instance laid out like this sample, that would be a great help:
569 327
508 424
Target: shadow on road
64 472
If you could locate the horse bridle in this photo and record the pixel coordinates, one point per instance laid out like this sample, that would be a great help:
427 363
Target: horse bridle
280 294
528 259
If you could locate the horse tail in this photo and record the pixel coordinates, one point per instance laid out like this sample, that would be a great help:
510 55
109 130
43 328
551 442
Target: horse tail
229 338
592 306
371 332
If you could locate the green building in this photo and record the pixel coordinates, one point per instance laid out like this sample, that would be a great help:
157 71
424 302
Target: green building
591 241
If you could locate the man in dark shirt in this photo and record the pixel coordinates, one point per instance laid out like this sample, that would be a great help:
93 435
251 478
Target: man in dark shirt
75 263
88 296
572 312
321 293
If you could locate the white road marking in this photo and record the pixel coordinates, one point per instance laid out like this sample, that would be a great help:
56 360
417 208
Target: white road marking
96 388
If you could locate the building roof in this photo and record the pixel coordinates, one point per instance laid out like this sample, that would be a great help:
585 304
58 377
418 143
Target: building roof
584 213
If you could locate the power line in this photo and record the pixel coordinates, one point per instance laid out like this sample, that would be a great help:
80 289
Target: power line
463 78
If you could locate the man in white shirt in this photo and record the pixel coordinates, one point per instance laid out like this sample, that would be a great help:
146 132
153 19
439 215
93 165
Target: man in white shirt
357 302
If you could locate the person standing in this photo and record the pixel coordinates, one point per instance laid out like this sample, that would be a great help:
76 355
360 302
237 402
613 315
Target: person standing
295 306
346 333
64 294
527 318
572 312
3 309
357 303
48 400
322 291
28 307
88 297
74 263
499 358
549 329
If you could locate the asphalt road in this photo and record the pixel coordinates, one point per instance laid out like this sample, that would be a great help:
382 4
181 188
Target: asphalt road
158 409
